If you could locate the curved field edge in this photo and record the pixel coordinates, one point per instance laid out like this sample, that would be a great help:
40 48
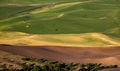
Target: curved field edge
46 20
20 9
70 20
84 40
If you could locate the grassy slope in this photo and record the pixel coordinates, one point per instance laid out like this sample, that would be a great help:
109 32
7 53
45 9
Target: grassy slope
100 16
8 11
32 1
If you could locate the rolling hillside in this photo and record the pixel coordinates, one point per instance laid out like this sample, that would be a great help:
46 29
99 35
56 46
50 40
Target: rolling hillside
32 1
64 22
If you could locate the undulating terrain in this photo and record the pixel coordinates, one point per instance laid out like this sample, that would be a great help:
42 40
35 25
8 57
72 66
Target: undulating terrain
60 30
64 22
70 59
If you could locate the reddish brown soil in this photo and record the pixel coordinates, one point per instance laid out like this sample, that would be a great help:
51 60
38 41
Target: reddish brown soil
107 56
113 69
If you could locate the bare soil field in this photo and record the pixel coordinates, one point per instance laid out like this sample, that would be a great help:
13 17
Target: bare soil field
112 69
106 56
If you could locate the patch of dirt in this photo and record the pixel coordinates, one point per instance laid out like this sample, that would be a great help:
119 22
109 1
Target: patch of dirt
113 69
106 56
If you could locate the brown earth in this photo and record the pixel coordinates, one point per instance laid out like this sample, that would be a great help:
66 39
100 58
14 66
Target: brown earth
113 69
106 56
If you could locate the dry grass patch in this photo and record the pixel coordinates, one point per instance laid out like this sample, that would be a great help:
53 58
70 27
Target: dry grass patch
87 39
